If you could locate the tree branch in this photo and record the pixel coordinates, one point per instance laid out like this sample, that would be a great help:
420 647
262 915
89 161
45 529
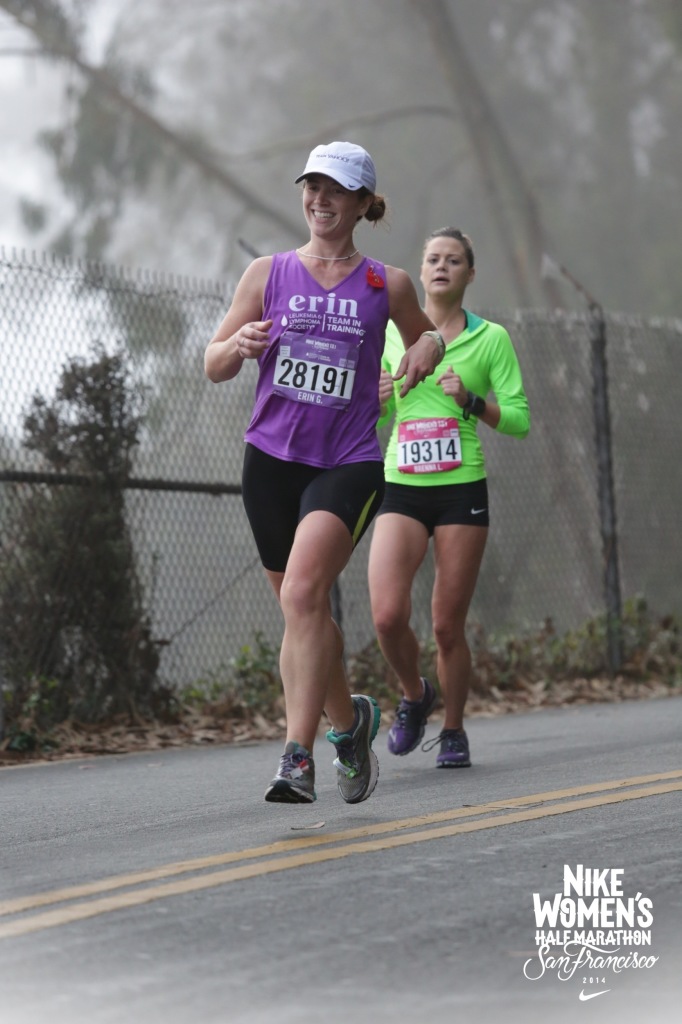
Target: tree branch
491 148
51 31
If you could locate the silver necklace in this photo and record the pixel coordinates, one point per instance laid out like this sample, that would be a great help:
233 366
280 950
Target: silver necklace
327 259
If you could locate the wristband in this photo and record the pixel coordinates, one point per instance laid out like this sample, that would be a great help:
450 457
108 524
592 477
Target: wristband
474 405
438 338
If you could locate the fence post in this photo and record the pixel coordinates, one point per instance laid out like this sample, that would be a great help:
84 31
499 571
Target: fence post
607 502
337 604
337 610
602 428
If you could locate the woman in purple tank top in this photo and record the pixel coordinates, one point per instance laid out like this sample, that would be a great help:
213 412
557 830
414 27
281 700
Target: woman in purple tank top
315 320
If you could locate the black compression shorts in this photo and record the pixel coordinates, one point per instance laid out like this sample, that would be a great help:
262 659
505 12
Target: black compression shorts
277 495
440 504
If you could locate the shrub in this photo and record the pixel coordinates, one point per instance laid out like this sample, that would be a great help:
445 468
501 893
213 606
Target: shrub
74 634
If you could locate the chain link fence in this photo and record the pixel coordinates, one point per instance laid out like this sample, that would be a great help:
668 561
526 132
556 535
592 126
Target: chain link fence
203 586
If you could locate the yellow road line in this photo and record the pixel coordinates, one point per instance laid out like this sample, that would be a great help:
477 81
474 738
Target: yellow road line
284 846
138 897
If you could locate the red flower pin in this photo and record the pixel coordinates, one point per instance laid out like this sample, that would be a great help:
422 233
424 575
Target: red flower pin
374 279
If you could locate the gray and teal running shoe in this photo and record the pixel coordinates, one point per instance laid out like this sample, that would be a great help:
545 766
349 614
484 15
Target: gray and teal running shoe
355 762
294 782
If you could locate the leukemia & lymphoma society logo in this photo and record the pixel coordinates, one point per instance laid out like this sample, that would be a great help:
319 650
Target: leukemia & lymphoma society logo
591 931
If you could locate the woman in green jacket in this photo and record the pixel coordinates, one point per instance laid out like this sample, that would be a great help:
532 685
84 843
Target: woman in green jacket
436 487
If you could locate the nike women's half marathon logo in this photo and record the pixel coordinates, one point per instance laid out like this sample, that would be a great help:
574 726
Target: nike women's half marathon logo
592 995
591 930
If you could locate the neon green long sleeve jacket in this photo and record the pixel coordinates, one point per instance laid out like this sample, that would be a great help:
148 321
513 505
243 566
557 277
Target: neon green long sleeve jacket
484 358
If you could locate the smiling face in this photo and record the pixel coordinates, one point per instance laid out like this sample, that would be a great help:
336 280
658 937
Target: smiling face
445 269
331 210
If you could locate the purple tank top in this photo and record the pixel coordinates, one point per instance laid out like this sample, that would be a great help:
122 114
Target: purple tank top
317 396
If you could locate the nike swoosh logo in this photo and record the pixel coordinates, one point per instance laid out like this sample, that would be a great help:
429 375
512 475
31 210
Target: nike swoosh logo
477 511
592 995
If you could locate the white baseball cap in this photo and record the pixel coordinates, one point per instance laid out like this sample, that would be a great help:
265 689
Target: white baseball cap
348 164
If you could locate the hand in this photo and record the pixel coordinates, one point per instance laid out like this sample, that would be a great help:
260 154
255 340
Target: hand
253 338
385 388
417 364
452 385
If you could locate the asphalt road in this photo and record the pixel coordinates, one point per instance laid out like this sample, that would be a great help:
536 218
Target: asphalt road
162 888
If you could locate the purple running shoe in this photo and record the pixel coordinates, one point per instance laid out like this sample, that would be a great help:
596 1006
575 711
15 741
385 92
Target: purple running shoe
410 721
454 749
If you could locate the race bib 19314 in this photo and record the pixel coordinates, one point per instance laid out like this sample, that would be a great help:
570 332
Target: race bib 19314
429 446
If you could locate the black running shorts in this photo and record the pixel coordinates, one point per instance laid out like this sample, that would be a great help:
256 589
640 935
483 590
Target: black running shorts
440 504
277 495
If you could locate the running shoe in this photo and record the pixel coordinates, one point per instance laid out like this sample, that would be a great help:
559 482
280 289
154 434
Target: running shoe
356 763
294 782
454 749
410 721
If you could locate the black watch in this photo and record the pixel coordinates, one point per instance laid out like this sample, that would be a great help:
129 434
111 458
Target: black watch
474 405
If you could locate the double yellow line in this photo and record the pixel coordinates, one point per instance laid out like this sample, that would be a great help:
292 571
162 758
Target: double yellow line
79 902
